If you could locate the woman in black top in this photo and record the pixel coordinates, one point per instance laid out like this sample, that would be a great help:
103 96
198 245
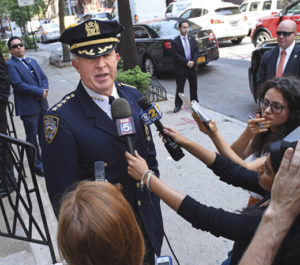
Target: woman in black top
239 227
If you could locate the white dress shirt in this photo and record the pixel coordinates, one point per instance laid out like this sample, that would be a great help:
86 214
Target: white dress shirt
287 56
100 100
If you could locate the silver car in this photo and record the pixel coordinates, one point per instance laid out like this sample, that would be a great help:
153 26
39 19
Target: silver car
48 32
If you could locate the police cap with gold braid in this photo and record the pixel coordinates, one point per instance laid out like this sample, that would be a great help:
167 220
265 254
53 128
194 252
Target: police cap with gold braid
92 38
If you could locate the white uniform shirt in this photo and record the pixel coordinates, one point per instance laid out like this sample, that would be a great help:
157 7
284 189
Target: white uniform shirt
102 101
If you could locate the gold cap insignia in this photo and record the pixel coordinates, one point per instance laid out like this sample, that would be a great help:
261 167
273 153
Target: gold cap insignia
90 52
103 50
92 28
50 127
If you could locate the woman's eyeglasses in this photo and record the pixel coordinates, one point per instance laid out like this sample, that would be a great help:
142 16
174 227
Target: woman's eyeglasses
276 107
15 46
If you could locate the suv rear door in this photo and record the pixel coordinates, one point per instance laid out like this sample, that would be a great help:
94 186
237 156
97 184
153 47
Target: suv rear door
293 13
290 12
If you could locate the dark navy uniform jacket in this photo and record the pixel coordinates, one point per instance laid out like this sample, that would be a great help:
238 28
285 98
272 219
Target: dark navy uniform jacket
78 133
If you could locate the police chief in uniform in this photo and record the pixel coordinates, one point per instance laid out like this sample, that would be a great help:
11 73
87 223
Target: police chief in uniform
79 130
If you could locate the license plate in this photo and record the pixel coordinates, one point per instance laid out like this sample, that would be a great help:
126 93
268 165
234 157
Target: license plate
201 59
234 23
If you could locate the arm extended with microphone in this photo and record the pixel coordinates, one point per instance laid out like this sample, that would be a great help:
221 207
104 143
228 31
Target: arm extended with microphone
151 115
122 116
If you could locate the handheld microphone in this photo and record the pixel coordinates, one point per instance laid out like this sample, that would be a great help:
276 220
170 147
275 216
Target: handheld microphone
152 114
122 116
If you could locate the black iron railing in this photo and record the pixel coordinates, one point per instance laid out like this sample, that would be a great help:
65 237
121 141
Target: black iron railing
20 200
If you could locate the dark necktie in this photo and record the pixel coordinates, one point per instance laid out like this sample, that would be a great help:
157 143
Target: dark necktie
29 67
111 99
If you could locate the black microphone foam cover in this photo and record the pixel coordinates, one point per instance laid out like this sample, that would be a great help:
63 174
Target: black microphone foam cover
120 109
144 103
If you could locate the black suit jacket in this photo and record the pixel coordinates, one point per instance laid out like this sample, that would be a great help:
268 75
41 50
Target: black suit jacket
267 66
4 80
28 91
179 55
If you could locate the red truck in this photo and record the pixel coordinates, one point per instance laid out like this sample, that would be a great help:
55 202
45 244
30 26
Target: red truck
266 27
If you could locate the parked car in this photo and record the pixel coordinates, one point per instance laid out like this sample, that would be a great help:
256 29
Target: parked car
154 43
225 19
175 8
48 32
97 15
265 28
255 9
70 20
13 30
255 61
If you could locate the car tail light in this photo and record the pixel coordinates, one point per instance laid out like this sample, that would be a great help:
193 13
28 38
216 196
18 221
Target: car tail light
216 21
211 36
136 18
245 18
168 44
274 13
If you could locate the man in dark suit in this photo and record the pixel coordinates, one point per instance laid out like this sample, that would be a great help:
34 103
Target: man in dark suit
79 130
284 59
30 87
185 53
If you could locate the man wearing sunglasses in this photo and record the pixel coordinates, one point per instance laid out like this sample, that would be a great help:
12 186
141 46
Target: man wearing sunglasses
283 59
30 87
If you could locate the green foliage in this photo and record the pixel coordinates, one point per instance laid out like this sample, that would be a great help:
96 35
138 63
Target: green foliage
20 14
135 77
3 48
17 14
28 41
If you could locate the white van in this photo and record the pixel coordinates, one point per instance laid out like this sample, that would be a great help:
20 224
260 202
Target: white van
255 9
142 10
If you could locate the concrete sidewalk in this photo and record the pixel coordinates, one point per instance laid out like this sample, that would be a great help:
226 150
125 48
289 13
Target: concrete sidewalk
188 175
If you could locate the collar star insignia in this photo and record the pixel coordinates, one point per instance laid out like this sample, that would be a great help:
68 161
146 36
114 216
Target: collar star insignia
63 101
96 98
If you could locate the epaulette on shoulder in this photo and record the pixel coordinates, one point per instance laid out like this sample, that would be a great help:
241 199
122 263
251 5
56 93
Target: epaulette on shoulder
62 102
119 84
